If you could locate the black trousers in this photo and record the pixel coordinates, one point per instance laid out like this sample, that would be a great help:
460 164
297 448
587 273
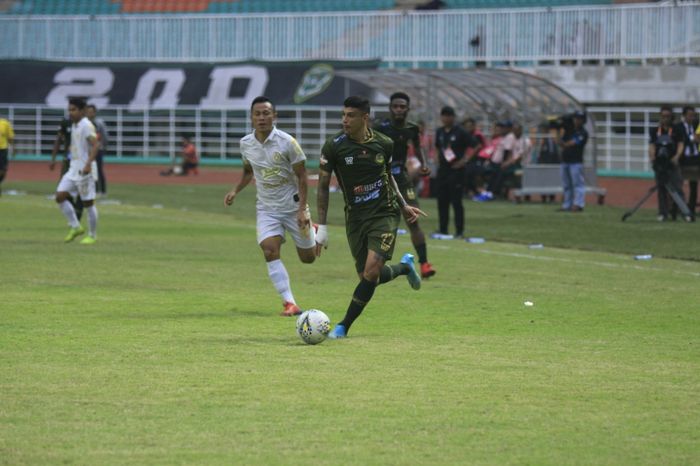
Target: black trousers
101 180
450 187
671 176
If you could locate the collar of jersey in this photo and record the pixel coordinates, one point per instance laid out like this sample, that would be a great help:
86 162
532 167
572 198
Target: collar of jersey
269 136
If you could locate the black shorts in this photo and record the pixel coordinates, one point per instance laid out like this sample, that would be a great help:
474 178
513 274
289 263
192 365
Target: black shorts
405 186
3 160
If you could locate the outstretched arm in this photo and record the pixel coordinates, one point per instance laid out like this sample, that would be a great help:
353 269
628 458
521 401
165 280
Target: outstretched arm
410 213
247 177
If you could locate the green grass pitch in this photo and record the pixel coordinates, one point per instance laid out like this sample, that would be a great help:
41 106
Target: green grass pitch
161 344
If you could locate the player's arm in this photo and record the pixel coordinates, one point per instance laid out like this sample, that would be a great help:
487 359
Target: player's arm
418 150
11 141
300 172
245 181
322 200
94 147
58 140
410 213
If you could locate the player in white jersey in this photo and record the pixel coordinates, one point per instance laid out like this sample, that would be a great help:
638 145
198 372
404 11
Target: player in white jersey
82 174
278 165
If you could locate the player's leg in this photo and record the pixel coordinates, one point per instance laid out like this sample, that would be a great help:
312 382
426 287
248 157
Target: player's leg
101 180
417 235
567 185
65 189
270 238
304 238
3 166
374 242
87 192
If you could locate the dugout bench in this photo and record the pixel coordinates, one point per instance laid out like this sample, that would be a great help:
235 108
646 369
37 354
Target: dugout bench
546 180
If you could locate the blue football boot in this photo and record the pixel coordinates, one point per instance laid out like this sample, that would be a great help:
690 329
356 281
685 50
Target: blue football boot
413 276
338 332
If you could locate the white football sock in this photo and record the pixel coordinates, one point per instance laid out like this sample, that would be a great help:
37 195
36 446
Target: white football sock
92 220
69 212
280 279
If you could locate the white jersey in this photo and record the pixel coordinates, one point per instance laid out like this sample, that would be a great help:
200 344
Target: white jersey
80 149
272 163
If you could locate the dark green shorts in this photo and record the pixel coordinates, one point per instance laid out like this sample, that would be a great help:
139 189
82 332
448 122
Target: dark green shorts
406 188
376 234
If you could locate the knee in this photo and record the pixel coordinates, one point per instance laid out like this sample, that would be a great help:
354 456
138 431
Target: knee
270 254
307 258
370 275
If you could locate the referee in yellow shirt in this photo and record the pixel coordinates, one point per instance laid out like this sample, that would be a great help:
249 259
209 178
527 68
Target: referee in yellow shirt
7 139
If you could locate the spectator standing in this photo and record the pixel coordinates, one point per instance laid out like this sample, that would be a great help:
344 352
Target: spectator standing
102 140
665 150
451 142
690 162
573 142
7 140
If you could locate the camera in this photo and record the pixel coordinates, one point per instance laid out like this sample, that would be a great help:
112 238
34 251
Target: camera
662 161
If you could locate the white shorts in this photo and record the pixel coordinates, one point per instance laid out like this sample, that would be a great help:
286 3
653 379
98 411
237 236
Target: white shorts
277 223
85 187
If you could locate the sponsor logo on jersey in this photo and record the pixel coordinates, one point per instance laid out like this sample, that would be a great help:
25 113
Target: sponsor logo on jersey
366 197
365 188
348 160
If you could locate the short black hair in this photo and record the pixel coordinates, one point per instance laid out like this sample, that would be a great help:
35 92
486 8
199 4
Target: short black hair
400 95
261 99
91 106
688 108
447 110
468 120
77 102
666 108
360 103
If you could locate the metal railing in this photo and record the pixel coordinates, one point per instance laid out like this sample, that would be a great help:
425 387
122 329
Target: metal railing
450 38
620 134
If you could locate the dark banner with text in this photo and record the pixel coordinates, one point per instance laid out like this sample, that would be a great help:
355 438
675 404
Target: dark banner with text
169 85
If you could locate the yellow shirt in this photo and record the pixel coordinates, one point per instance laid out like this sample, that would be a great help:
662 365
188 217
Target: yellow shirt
7 134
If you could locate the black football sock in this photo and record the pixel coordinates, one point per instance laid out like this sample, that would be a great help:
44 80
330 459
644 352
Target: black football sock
422 252
389 272
363 293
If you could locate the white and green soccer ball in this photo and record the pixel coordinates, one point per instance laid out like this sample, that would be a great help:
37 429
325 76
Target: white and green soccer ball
313 326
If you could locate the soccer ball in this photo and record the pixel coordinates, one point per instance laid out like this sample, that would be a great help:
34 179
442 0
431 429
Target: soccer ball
313 326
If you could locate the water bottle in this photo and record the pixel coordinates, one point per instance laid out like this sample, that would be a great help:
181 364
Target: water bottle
643 257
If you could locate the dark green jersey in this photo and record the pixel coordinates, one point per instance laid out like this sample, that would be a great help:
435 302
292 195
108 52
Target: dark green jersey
401 135
362 170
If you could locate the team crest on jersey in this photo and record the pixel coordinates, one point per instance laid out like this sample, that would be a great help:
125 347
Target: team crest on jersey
348 160
277 157
379 158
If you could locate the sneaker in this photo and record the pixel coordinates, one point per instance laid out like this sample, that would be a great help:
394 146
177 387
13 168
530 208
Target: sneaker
413 277
290 309
88 240
661 218
74 233
426 270
577 208
338 332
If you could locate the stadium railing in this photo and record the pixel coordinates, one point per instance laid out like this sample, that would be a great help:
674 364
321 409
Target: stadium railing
153 136
442 39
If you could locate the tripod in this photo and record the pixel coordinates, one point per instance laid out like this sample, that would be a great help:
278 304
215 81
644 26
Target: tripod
677 198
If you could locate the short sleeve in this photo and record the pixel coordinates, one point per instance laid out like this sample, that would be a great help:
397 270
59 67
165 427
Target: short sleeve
327 160
295 152
89 131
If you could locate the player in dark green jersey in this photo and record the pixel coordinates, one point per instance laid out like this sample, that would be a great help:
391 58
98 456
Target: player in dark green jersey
361 160
402 131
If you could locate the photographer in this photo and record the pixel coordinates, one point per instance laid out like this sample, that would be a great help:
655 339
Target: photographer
665 150
572 140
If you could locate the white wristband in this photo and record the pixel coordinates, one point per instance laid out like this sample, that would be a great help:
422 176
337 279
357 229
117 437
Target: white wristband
322 235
